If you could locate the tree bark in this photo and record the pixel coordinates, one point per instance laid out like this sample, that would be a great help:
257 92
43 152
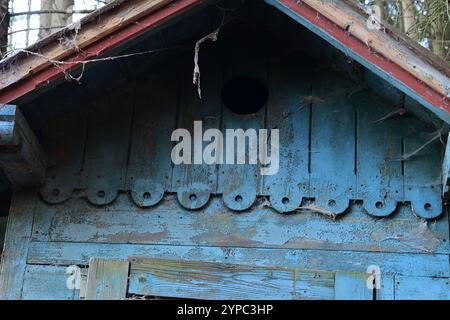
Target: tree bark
4 26
49 21
439 40
381 4
409 18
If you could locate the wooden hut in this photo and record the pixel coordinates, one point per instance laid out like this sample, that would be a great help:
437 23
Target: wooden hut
356 208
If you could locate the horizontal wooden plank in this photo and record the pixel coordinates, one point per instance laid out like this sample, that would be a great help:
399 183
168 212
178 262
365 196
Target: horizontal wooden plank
207 280
47 283
168 224
422 288
66 253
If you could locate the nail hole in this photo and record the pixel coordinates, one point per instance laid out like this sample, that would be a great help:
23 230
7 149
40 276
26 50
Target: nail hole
427 206
379 205
331 203
193 197
238 199
285 200
147 195
101 194
55 192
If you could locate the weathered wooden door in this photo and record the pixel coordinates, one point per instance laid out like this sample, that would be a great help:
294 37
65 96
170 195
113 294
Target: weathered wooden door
144 277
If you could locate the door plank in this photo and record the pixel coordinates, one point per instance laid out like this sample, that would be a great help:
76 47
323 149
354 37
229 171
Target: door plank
107 279
211 280
413 288
15 250
352 286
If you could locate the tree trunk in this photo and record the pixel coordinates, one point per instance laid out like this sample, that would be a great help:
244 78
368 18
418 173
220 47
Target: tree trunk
409 18
381 4
439 40
4 26
51 22
439 37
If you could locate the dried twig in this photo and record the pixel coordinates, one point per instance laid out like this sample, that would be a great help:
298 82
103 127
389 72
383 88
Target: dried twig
320 210
399 111
64 65
312 99
415 152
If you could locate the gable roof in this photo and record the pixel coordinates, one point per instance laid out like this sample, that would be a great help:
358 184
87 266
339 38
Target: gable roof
388 53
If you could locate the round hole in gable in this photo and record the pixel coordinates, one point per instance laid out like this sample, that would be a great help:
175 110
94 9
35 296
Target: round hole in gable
238 199
427 206
331 203
101 194
193 197
244 95
285 200
147 195
56 192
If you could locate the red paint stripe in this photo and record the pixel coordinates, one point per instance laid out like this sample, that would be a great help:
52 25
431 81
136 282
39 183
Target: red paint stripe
43 77
360 48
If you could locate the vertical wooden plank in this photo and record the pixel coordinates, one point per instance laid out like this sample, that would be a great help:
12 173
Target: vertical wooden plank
352 286
333 179
380 179
64 139
106 155
288 110
422 160
107 279
17 240
149 170
241 183
194 183
387 290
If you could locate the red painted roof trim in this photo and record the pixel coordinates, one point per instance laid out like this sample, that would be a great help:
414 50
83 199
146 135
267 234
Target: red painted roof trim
360 48
45 76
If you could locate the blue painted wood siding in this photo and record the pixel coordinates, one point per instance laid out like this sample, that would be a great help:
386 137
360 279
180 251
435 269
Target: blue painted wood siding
361 193
337 146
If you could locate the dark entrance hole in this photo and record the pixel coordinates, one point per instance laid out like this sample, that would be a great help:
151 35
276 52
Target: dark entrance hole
244 95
